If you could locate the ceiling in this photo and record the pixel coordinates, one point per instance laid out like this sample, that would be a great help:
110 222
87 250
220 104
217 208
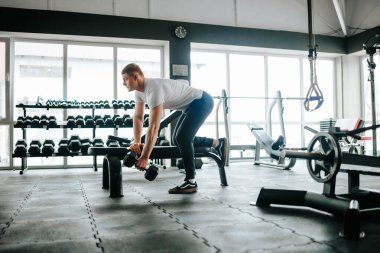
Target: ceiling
283 15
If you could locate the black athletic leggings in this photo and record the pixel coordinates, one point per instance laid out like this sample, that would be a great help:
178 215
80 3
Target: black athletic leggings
186 128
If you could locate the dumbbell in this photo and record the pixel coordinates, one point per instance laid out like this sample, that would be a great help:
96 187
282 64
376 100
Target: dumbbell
123 142
74 143
98 142
89 121
44 121
128 121
34 148
35 121
127 105
118 121
108 121
85 145
115 105
99 122
151 171
70 122
146 120
107 105
63 148
79 121
48 147
27 121
52 121
20 150
19 122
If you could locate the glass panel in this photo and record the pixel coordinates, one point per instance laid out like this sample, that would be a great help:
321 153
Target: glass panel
208 72
247 80
90 73
4 146
2 80
284 76
149 61
38 72
325 78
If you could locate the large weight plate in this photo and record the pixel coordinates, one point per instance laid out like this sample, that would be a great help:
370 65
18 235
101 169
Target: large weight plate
324 170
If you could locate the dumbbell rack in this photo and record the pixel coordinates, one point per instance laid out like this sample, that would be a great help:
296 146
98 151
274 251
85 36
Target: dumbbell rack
63 125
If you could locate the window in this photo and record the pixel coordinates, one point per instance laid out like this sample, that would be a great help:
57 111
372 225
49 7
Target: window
2 80
150 62
38 71
90 74
208 72
259 77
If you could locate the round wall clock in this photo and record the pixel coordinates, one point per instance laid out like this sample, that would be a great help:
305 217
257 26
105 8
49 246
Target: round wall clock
180 32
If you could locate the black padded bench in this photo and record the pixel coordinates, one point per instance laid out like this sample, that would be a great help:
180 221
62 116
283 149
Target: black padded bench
112 172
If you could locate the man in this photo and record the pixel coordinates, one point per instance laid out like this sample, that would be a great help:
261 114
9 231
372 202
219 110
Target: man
160 94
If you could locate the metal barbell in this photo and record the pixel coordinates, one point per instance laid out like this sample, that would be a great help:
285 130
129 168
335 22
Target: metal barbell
323 157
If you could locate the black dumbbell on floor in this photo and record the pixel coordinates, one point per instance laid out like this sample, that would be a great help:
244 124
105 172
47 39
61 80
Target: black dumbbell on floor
130 160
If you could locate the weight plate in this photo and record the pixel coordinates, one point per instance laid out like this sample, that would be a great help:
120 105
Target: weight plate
324 170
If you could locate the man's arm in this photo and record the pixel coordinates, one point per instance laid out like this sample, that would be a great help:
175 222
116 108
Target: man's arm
151 135
138 118
152 132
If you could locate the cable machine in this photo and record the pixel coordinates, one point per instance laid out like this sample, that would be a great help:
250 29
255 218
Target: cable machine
370 46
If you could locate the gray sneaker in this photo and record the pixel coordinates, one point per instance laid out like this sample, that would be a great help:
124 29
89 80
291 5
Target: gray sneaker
221 149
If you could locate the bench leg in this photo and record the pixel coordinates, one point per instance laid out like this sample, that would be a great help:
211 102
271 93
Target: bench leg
115 177
222 174
106 179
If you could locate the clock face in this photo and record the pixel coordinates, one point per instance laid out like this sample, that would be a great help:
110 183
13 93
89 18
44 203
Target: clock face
180 32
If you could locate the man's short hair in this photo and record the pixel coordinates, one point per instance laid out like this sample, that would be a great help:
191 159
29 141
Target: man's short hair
132 68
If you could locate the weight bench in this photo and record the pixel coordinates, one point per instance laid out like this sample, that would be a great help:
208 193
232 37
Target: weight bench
264 140
112 172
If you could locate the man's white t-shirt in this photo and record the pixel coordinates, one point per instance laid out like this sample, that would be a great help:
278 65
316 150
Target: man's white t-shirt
173 94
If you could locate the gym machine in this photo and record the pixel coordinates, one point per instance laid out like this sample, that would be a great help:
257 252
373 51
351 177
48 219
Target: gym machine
263 138
324 159
370 46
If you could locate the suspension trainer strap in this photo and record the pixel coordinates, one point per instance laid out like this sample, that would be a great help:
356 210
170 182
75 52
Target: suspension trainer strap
314 94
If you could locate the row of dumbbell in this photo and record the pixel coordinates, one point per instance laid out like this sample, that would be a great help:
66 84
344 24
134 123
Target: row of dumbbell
106 120
78 121
36 121
66 146
115 104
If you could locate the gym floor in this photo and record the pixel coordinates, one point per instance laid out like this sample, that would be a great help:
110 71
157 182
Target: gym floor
68 211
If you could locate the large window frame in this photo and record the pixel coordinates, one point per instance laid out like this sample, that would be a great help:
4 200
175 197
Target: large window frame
304 138
6 121
162 46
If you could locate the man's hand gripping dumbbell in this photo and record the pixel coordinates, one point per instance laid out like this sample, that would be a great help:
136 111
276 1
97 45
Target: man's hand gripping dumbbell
132 158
